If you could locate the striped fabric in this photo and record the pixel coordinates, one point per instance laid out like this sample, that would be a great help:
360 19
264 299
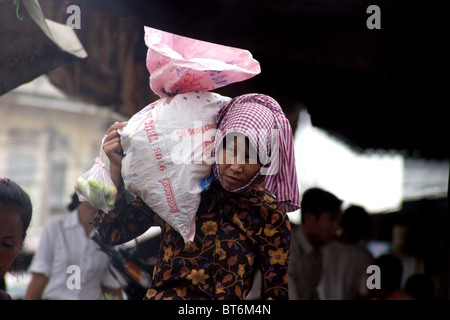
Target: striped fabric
262 120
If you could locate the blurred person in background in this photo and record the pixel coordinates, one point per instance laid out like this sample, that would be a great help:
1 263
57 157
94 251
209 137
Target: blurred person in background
346 259
320 214
391 271
421 287
65 246
15 217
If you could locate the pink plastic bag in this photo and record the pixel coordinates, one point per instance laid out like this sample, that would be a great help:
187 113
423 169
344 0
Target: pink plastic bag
179 64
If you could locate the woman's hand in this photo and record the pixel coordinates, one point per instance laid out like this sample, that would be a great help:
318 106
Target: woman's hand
113 149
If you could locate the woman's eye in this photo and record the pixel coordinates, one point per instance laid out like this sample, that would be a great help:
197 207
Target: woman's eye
229 154
252 159
7 245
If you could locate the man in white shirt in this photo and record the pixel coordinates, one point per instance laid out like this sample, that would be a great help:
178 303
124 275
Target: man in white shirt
346 259
68 264
320 214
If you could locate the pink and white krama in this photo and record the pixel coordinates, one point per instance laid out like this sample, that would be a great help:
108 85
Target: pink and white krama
262 120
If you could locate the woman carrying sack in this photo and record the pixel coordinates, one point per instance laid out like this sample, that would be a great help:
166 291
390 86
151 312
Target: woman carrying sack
241 222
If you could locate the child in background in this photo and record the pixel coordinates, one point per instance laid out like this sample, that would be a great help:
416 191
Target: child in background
15 217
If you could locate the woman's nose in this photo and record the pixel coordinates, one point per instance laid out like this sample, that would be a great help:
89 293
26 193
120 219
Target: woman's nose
236 166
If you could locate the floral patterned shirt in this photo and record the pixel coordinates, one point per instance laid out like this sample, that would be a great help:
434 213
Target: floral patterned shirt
236 234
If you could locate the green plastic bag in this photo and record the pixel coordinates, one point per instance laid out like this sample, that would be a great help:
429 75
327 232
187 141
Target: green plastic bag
96 186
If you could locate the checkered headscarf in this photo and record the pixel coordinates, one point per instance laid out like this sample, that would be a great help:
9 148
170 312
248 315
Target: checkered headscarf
261 119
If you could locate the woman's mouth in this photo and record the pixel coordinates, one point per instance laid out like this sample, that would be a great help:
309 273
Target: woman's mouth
230 180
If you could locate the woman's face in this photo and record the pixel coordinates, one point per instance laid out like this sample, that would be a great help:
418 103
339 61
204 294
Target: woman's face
238 162
11 234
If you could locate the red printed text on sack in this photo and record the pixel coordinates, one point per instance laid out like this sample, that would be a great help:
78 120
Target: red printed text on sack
170 196
150 129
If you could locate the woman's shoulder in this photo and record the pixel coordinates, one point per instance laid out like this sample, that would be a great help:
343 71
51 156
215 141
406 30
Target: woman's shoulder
259 198
267 197
266 203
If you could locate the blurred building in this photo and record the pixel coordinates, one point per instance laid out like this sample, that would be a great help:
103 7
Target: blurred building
46 141
379 180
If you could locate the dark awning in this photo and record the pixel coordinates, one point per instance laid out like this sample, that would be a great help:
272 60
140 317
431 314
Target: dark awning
29 46
380 88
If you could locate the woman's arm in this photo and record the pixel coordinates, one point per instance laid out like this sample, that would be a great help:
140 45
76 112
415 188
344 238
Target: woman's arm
128 219
113 149
125 222
36 286
275 248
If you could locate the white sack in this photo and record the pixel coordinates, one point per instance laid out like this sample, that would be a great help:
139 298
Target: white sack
167 162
